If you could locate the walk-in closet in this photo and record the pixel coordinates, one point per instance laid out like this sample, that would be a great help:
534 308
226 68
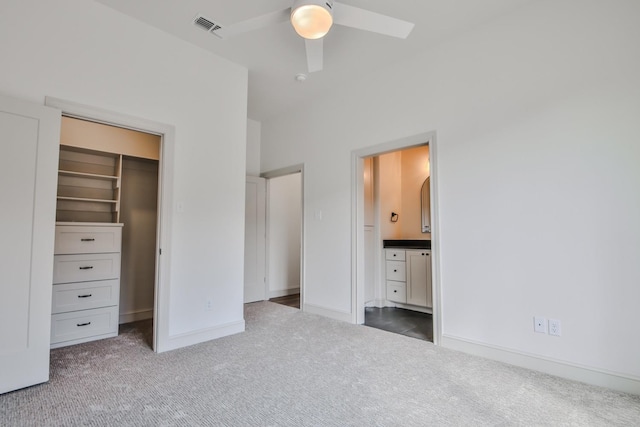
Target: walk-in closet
106 230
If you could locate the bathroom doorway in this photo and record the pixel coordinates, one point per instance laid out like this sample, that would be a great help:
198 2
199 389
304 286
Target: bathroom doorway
394 287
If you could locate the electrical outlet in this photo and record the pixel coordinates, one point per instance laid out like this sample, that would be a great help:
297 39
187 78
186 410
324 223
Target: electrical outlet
555 328
208 305
540 324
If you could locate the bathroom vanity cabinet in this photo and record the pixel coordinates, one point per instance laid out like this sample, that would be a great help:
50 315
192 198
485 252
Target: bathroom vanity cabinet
408 276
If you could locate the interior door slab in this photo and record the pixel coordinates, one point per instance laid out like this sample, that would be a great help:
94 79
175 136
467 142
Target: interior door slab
29 135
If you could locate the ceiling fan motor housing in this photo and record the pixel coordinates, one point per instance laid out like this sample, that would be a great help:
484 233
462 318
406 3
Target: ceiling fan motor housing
326 4
312 19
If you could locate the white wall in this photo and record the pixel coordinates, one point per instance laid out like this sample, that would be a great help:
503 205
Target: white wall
389 194
537 124
415 169
253 147
284 227
84 52
401 175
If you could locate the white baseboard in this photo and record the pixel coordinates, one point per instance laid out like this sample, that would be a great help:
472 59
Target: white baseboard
328 312
572 371
408 307
283 292
378 303
134 316
202 335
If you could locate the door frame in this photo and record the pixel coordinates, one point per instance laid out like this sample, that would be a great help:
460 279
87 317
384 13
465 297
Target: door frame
165 196
262 258
276 173
357 224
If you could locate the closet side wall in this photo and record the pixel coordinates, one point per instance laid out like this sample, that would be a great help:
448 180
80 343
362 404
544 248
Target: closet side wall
139 202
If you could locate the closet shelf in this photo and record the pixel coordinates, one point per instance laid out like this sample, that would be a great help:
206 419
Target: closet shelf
87 175
83 199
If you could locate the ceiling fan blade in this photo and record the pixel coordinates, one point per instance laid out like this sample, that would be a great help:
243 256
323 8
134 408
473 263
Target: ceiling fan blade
254 23
362 19
314 54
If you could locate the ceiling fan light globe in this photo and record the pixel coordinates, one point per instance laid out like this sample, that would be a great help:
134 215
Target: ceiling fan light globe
311 21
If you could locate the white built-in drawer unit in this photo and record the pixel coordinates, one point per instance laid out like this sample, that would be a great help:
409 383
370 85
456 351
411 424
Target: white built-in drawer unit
86 282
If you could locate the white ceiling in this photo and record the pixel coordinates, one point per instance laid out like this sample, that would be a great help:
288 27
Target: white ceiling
275 55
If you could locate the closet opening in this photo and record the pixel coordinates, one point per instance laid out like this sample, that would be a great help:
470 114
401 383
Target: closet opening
107 233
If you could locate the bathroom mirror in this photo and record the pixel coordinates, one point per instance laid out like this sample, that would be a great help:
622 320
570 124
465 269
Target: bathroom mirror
426 206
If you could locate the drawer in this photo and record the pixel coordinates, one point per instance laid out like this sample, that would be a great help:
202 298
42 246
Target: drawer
394 254
81 325
74 239
396 270
397 291
85 295
86 267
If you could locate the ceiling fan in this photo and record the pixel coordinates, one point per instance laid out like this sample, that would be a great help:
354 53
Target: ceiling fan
312 20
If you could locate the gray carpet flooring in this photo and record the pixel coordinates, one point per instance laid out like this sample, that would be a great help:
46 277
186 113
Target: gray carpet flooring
296 369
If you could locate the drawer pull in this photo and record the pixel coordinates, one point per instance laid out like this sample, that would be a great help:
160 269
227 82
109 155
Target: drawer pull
88 240
83 324
84 296
395 291
395 271
394 254
88 267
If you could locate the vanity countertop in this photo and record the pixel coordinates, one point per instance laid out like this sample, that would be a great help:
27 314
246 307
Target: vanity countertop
407 244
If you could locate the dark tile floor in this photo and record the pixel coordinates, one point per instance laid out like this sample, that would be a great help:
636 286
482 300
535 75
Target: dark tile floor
289 300
405 322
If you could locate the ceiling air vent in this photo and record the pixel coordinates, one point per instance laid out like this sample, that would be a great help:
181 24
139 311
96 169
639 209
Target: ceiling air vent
206 24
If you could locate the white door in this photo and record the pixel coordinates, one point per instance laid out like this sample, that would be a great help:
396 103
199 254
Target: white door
254 240
29 136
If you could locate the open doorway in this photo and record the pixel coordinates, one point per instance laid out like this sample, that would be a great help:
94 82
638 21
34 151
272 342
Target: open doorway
394 250
393 184
143 207
284 237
